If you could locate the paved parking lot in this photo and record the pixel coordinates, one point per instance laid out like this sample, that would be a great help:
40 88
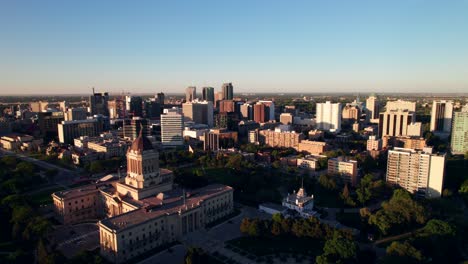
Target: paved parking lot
71 240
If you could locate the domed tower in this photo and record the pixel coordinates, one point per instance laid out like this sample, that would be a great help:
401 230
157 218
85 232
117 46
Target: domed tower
142 163
144 177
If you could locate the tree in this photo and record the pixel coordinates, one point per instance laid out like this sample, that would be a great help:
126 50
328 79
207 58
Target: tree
327 181
402 253
96 167
338 249
195 256
345 196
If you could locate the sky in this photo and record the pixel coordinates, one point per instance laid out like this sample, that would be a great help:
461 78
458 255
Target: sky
64 47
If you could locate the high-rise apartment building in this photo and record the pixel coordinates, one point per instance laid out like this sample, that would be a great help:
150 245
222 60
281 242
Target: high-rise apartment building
208 94
271 108
373 143
200 112
98 103
372 108
441 117
350 114
172 125
418 172
399 123
228 91
329 116
459 142
190 93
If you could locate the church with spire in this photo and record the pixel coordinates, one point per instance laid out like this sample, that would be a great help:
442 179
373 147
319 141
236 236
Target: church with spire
144 210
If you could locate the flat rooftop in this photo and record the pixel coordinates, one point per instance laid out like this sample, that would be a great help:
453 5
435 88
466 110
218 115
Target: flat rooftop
169 203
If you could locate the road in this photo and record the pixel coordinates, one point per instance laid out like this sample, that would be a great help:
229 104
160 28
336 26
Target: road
64 176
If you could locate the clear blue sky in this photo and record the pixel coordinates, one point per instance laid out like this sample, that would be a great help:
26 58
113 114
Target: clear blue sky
260 46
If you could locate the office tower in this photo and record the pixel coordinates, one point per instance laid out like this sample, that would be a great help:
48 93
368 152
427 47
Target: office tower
246 111
78 113
441 118
134 106
418 172
152 109
350 114
398 123
208 94
200 112
69 130
346 168
38 106
401 105
160 98
190 93
226 106
261 113
271 109
286 119
48 121
372 108
172 124
228 91
227 120
329 116
117 108
132 127
98 103
459 142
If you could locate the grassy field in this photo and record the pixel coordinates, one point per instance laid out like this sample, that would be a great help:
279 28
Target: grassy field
44 197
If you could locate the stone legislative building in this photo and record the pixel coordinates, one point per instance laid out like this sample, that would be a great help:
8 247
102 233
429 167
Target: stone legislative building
142 211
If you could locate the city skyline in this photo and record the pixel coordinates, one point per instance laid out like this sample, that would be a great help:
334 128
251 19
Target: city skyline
51 47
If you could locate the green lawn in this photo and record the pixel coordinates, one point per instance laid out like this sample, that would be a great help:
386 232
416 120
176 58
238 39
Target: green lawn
259 246
349 219
44 197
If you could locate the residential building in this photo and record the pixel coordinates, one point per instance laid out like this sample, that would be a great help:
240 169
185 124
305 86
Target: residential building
399 123
328 116
286 118
346 168
246 111
459 142
271 109
350 114
441 118
373 143
278 138
372 108
310 162
312 147
401 105
404 142
261 113
418 172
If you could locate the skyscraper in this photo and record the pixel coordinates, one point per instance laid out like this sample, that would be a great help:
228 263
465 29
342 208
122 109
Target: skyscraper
228 91
172 124
329 116
208 94
161 97
190 93
98 103
416 171
134 105
441 117
372 108
459 142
